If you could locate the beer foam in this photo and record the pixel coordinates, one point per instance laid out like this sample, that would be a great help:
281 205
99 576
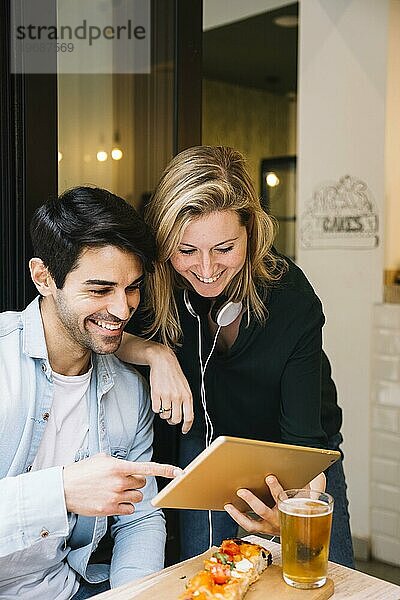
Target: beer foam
304 507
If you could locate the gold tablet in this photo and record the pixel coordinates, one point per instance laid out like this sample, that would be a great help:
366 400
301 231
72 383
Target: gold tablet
228 464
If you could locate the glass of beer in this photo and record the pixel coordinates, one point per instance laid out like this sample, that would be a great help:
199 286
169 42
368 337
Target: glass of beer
305 518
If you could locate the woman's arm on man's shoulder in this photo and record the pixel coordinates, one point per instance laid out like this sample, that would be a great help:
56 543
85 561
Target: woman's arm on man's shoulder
169 388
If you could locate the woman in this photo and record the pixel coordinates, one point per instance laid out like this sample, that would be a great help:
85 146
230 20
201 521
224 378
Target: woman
260 375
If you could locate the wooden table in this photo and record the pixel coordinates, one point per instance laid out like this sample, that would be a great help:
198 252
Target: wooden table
348 583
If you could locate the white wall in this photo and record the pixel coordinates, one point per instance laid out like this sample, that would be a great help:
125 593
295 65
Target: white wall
392 150
341 129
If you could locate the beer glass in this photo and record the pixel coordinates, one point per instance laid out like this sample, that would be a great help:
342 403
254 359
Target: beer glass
305 518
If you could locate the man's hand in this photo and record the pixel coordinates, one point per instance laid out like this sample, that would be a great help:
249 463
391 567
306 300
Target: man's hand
169 388
105 486
268 523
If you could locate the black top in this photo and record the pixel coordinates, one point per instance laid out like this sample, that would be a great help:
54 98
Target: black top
268 385
274 384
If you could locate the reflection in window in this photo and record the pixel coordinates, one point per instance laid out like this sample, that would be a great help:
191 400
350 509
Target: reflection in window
116 130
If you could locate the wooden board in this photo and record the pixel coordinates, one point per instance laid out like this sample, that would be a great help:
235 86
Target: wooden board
170 583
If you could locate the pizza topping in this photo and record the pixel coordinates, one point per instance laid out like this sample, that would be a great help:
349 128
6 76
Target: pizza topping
221 557
243 565
230 547
220 573
236 574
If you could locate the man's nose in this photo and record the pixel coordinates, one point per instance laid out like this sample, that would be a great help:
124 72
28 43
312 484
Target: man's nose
121 306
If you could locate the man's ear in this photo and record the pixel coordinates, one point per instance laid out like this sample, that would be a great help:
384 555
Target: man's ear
41 277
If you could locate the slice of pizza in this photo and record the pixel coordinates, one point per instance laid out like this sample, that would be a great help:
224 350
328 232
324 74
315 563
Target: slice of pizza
229 572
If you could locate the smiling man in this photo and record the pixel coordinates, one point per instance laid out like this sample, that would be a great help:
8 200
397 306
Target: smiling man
70 410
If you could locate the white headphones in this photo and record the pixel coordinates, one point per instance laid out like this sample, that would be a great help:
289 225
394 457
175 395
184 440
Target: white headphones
223 312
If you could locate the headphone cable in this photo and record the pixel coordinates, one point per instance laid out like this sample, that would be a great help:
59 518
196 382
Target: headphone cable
208 422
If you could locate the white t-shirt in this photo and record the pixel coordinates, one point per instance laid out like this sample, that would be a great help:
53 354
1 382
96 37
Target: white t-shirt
68 424
41 571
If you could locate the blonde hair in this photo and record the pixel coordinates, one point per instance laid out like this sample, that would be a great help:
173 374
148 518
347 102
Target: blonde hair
197 182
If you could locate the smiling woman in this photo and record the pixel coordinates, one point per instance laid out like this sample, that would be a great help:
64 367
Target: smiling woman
260 374
205 206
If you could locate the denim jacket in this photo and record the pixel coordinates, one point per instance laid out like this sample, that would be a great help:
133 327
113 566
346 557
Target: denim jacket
32 504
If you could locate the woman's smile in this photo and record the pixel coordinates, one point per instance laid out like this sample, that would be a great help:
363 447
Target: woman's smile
210 279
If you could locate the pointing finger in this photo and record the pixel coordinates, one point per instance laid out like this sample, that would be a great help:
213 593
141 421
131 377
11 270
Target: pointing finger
153 468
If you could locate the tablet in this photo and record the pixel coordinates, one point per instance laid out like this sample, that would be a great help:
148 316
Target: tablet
228 464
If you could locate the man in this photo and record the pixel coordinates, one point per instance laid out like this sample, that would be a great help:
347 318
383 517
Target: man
70 410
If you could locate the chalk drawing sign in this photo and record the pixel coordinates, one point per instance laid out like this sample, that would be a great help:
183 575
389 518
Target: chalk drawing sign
341 215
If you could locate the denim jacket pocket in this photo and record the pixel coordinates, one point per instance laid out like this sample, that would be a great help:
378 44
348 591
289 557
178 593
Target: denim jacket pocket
119 452
81 454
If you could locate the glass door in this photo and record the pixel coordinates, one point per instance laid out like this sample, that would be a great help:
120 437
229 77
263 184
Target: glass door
108 96
115 111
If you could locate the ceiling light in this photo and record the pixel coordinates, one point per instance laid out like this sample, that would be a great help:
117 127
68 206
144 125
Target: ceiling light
102 156
116 153
272 179
287 21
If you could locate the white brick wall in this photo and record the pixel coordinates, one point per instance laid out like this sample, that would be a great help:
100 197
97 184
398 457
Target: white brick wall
387 342
385 522
387 316
385 419
385 496
387 368
387 392
386 548
385 471
385 435
385 445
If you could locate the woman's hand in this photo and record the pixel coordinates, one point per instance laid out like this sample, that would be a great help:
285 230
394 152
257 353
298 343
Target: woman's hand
268 522
170 390
171 397
318 483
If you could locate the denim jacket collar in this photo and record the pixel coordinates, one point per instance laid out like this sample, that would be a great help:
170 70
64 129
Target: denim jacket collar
33 340
34 345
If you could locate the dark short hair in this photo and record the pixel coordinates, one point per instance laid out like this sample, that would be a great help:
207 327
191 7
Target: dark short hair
87 217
